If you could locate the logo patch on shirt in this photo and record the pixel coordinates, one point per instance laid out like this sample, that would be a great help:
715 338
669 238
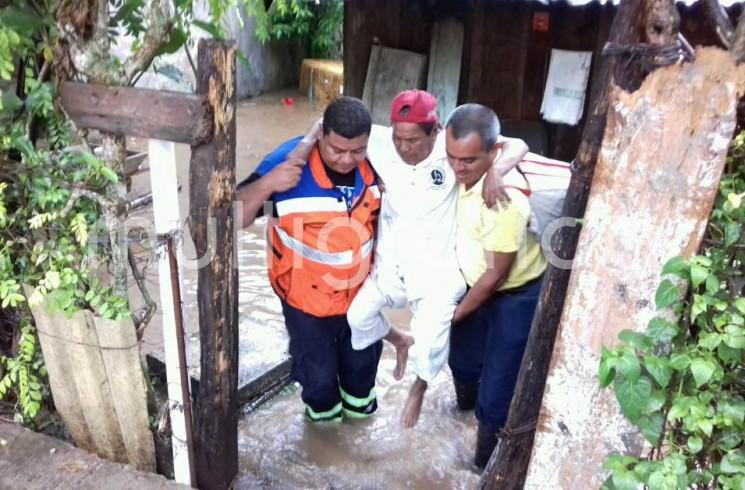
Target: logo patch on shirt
437 178
348 193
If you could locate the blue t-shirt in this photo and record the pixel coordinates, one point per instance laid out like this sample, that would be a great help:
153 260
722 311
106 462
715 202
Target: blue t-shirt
344 183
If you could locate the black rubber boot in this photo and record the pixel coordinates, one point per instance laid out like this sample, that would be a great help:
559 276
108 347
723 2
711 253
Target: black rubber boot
466 394
486 441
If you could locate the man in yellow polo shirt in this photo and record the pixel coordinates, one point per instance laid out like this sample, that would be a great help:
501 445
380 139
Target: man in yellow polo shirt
503 265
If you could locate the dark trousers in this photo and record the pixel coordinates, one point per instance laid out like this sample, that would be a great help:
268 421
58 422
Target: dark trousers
335 378
488 346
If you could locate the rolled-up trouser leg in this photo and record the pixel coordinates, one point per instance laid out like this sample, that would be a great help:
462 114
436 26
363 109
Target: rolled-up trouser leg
368 324
430 326
314 361
357 371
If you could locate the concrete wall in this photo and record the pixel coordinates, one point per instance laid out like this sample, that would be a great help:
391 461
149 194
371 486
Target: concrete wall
273 65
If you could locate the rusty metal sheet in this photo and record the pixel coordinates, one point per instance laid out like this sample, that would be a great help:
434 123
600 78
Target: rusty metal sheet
655 183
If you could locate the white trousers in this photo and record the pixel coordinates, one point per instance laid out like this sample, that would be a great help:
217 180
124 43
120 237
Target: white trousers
430 324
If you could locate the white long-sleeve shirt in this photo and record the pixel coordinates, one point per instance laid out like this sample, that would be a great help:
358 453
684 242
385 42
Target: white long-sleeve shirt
417 228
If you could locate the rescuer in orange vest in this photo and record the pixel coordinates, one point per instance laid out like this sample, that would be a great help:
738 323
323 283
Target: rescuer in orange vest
320 247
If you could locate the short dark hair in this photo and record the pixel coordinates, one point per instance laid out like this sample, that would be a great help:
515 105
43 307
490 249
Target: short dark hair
348 117
475 118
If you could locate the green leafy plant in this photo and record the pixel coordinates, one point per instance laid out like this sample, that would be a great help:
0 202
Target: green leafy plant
61 206
48 205
682 383
24 373
316 25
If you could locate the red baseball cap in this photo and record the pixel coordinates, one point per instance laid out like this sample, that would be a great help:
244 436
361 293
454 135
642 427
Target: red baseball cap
419 106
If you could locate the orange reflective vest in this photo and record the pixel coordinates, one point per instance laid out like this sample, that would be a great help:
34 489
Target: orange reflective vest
320 250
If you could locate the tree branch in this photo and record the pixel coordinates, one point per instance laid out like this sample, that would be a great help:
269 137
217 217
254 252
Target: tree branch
661 22
91 54
159 26
31 116
191 60
720 20
78 192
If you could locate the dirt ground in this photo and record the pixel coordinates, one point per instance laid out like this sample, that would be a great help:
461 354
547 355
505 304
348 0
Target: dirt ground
29 460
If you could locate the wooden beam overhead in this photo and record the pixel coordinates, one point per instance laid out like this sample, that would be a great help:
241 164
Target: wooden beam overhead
127 111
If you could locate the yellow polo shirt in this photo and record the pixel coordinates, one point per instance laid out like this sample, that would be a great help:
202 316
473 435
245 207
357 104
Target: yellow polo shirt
481 229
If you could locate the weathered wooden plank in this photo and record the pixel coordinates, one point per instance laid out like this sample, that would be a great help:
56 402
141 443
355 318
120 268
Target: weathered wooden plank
356 48
59 365
212 180
121 357
538 54
97 383
268 382
158 114
391 71
662 156
90 378
444 64
393 23
522 60
509 463
372 70
265 386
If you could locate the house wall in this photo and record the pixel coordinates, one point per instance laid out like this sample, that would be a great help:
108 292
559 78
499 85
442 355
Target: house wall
505 61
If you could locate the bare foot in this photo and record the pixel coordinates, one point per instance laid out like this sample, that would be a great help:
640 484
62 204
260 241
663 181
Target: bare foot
402 342
413 406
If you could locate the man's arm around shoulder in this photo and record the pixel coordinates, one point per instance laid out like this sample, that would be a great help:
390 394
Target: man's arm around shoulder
278 172
513 150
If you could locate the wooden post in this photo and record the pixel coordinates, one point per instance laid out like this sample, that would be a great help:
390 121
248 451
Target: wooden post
654 187
212 192
163 181
509 462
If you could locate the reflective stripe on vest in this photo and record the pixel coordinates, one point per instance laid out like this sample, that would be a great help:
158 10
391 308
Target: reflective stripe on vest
330 258
310 205
322 246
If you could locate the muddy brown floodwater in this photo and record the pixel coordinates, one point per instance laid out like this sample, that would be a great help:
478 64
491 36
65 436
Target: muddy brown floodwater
280 449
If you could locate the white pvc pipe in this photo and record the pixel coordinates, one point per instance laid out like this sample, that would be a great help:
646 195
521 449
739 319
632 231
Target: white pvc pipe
162 156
